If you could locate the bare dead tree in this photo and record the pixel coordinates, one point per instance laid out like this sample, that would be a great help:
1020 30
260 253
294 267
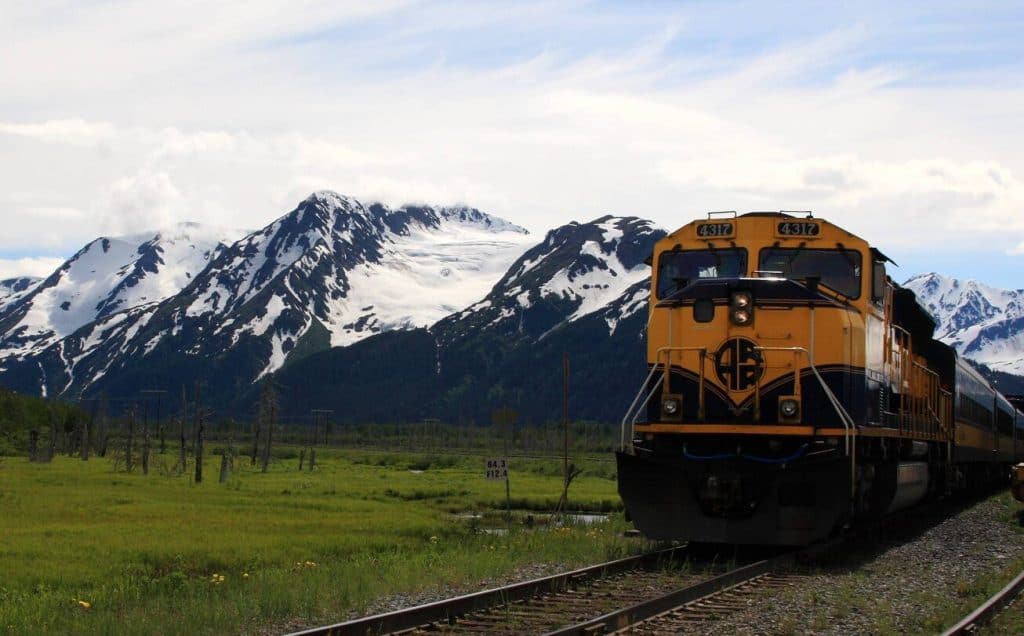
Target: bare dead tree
256 436
51 418
104 432
182 416
145 448
268 413
129 464
199 437
86 429
33 445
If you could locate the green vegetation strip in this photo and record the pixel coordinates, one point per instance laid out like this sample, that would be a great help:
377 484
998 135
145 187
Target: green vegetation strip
988 608
88 549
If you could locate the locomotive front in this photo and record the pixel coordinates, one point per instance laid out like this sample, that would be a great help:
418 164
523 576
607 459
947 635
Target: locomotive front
760 355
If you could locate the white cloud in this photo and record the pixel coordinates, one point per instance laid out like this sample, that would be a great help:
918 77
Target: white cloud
141 202
153 116
40 267
62 131
1018 250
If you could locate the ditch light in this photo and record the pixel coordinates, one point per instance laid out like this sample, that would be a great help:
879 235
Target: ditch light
672 407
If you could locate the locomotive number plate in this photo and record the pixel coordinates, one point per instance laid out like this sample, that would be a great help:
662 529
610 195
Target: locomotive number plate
798 228
715 230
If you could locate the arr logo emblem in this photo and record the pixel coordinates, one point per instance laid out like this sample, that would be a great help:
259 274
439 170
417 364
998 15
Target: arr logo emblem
738 364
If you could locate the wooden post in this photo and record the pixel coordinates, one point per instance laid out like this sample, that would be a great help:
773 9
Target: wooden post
224 467
302 458
312 459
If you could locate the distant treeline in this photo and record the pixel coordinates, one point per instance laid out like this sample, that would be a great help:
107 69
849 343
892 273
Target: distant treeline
20 414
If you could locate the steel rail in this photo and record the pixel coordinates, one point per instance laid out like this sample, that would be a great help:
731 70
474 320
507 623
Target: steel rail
623 618
448 610
626 617
988 609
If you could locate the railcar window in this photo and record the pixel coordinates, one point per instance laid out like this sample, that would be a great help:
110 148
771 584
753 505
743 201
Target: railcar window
838 269
677 266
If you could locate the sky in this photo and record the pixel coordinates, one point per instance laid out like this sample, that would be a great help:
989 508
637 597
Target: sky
900 122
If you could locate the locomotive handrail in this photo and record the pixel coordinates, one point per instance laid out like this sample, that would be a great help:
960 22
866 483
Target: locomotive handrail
630 417
626 418
849 426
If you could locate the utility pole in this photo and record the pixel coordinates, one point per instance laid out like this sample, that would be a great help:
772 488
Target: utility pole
160 427
565 418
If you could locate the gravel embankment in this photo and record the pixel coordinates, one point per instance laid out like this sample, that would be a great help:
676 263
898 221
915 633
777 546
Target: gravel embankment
892 585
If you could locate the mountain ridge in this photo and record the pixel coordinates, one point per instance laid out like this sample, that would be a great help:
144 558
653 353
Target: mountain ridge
475 310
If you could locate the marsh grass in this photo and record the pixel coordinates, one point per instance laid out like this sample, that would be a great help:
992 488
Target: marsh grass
89 550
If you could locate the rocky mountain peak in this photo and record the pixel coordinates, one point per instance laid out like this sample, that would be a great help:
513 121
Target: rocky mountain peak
981 322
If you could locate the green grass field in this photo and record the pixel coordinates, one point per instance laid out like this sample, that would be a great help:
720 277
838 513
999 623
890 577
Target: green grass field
85 549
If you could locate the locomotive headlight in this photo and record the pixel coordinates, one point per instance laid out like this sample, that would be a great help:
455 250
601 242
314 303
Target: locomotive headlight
741 305
789 409
672 407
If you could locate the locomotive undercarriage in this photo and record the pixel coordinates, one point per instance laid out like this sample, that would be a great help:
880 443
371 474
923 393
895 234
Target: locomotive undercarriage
770 490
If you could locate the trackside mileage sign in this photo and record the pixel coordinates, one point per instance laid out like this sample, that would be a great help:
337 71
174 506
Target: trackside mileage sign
497 468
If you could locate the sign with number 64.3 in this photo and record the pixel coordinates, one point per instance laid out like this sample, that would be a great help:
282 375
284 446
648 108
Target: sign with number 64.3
497 468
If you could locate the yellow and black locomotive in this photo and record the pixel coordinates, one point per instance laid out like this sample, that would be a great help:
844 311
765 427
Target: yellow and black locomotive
793 386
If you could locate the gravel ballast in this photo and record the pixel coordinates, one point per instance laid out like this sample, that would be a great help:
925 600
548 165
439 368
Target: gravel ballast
892 584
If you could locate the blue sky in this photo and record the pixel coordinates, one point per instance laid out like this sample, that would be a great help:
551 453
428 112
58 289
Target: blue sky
901 122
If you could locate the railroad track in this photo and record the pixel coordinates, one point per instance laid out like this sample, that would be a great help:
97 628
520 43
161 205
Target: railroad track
988 609
594 587
646 594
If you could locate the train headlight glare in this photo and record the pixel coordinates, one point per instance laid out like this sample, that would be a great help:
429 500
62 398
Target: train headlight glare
670 406
741 304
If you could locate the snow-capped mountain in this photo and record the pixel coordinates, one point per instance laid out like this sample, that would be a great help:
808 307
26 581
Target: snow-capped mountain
577 270
108 275
581 292
982 323
336 266
330 272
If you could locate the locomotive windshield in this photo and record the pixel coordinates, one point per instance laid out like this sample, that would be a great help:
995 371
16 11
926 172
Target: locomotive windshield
678 267
838 269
